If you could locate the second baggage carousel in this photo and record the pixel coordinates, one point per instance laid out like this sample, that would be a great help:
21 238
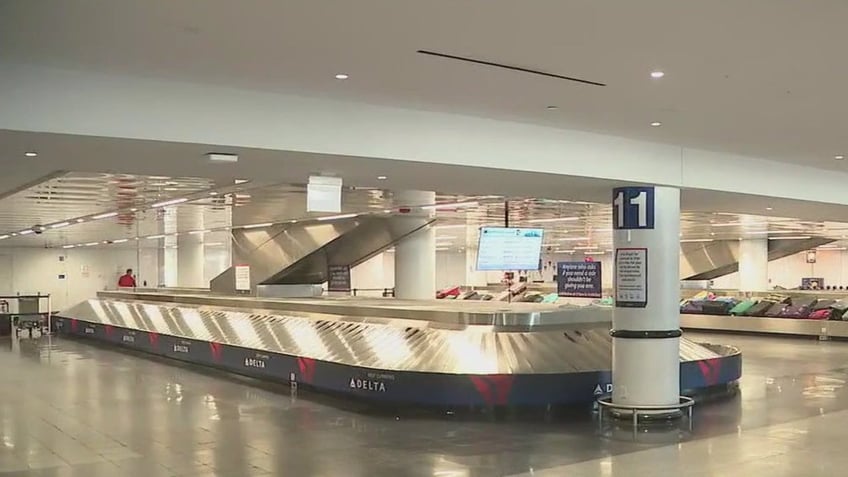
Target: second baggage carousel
439 354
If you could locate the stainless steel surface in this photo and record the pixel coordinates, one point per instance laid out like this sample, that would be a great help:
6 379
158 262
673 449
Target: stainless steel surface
296 254
289 291
444 312
379 343
752 324
710 260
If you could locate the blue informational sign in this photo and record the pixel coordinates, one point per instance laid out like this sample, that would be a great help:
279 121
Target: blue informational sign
579 279
633 208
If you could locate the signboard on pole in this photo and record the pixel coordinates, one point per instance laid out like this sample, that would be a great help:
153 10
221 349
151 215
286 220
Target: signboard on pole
242 273
338 278
633 208
579 279
631 277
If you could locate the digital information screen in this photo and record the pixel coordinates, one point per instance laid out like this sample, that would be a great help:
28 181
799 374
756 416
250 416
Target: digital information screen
502 248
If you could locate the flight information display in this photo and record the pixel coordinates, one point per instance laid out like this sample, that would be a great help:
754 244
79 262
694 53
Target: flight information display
502 248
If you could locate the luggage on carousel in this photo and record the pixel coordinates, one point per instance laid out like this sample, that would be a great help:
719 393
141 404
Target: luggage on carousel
799 308
550 298
823 310
693 307
467 295
775 310
742 307
532 297
448 292
717 307
825 314
823 304
761 308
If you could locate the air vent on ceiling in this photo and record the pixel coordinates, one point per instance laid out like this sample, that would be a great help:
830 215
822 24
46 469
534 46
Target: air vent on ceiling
508 67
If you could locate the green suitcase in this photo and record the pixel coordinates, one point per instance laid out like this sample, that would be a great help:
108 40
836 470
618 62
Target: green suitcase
742 307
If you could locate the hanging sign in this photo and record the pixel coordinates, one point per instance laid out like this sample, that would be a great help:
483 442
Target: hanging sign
324 194
633 208
579 279
631 277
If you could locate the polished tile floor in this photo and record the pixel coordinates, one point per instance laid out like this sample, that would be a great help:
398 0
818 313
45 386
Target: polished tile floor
71 409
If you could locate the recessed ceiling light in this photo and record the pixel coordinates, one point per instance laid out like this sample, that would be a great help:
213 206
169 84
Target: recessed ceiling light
552 107
656 124
839 157
213 193
657 74
30 154
342 76
381 178
769 208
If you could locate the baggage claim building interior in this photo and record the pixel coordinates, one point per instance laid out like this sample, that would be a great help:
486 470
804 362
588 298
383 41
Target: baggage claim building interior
433 239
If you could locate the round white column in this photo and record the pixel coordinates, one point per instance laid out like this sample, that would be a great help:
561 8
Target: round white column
415 255
753 265
190 261
646 340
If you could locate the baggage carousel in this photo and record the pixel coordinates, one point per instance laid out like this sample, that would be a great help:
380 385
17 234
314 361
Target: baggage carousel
432 354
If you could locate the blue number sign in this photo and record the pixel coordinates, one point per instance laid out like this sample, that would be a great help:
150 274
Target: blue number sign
633 208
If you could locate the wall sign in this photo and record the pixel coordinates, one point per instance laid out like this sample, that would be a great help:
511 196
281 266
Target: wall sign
633 208
811 256
242 277
338 278
579 279
631 277
812 283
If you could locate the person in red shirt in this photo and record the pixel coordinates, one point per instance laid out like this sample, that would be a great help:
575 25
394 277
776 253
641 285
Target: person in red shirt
127 280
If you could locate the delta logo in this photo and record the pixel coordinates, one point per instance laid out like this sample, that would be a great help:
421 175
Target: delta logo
367 385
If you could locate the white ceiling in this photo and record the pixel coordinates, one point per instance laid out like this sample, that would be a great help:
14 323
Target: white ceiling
96 209
759 77
152 169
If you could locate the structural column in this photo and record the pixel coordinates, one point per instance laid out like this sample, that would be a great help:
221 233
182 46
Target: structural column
753 265
646 318
415 255
190 261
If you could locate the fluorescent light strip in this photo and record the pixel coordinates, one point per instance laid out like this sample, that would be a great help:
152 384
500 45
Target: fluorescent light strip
590 247
456 226
257 226
120 240
600 252
337 217
60 225
546 221
169 202
198 232
695 240
154 237
26 232
68 246
3 237
89 244
105 216
452 205
799 237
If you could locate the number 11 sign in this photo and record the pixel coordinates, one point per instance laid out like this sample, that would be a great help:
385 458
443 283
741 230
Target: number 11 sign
633 208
